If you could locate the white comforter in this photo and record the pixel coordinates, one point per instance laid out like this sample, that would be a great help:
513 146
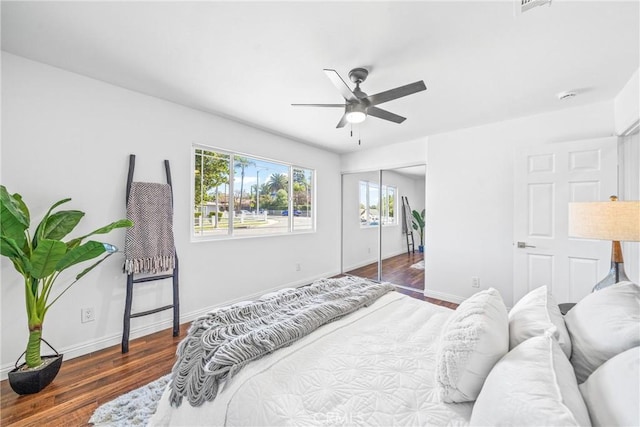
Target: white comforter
373 367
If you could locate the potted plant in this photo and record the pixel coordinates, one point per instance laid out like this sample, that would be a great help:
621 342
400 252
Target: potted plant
39 257
418 224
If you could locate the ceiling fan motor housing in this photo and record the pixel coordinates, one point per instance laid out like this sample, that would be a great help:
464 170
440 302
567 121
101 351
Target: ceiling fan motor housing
358 75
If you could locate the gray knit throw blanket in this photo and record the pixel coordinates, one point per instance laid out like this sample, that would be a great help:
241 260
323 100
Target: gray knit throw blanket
220 343
149 246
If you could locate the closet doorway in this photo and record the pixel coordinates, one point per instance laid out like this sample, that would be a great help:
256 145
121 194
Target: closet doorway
374 244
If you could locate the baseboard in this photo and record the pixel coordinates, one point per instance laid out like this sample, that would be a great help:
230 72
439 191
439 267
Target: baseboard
444 296
92 346
399 252
360 264
372 261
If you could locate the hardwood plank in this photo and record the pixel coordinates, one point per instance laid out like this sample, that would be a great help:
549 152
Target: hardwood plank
396 269
88 381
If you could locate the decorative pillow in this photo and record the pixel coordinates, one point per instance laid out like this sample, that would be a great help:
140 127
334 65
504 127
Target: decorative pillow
473 339
603 324
533 385
612 391
536 313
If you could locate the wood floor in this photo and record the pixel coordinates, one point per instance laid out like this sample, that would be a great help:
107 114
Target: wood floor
86 382
397 270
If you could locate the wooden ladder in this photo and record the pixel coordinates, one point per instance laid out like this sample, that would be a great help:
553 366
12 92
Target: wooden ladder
407 228
131 280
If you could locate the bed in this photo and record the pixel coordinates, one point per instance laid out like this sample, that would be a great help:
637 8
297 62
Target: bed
401 361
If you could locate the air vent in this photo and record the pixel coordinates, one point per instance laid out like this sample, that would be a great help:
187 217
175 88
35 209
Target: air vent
530 4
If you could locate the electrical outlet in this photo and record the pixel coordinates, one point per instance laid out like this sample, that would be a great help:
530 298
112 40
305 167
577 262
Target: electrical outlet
368 250
87 315
298 267
475 282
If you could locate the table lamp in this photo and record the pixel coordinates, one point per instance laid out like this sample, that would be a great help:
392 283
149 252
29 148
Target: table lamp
616 221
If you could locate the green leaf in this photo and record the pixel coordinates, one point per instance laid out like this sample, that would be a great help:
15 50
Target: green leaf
38 235
13 221
46 256
121 223
60 224
22 206
10 249
89 250
418 218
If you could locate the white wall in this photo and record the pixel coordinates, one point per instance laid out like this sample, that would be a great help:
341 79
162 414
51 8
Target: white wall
65 135
387 157
470 199
627 104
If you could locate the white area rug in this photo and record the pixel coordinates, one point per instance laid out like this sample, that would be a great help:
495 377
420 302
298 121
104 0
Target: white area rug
133 408
418 265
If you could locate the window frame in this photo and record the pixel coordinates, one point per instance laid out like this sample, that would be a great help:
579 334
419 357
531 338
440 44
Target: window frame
382 191
290 229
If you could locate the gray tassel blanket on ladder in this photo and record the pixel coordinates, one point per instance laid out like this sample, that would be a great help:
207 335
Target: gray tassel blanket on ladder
149 245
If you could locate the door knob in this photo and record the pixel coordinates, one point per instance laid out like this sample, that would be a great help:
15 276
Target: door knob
522 245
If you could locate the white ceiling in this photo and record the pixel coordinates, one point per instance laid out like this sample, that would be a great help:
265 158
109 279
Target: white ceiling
249 61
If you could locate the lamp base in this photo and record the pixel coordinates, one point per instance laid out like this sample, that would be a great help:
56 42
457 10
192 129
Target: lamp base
616 274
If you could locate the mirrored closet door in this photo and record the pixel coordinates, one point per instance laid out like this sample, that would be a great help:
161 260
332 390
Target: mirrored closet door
402 260
375 242
360 224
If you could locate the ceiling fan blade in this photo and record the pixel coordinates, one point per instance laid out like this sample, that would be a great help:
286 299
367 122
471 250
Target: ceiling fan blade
396 93
384 114
318 105
342 122
337 81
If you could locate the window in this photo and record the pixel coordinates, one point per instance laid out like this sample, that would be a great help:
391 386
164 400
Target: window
372 212
388 204
238 195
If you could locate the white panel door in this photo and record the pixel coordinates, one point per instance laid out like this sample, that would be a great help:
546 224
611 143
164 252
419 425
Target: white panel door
546 179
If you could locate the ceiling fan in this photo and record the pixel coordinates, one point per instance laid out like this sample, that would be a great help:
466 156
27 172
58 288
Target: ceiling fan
358 105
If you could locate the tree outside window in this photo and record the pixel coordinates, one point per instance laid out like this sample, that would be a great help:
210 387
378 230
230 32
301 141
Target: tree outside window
256 201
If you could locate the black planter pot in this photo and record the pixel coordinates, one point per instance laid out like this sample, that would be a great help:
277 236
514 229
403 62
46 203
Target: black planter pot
31 381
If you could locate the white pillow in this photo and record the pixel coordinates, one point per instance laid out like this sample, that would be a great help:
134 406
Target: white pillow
473 339
612 392
603 324
533 385
536 313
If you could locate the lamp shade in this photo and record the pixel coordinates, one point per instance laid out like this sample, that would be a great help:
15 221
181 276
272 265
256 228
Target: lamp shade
615 220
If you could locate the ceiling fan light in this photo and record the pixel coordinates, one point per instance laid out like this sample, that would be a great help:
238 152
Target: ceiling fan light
356 117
